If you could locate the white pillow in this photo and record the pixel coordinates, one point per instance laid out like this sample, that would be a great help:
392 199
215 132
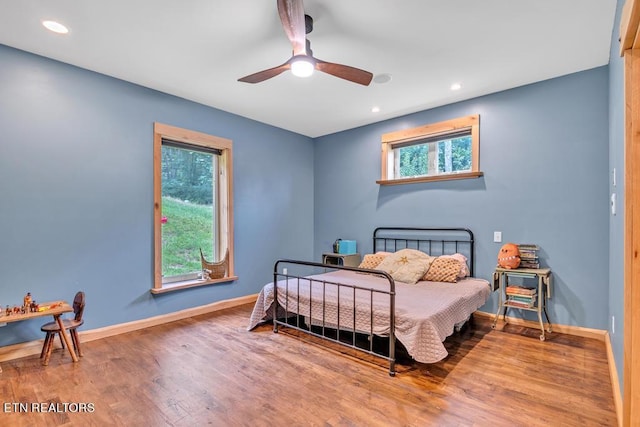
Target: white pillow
406 265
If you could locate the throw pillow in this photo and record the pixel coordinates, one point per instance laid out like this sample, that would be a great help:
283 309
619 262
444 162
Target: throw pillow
371 261
464 267
406 265
443 269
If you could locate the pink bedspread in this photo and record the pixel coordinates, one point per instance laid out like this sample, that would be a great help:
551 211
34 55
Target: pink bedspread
426 313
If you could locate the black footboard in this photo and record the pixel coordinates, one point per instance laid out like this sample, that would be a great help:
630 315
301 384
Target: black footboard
307 302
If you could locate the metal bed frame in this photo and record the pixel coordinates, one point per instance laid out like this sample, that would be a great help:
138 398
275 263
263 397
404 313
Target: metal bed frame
434 246
384 239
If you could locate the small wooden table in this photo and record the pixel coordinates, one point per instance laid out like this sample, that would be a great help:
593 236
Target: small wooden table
57 309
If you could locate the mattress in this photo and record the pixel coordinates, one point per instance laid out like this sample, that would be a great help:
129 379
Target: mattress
426 313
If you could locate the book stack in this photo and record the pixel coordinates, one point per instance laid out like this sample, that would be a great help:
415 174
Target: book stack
529 256
520 296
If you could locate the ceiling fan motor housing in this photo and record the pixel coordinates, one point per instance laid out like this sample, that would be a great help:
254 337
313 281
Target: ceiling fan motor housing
308 24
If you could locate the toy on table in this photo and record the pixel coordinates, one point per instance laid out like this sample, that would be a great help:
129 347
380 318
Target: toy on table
509 256
49 307
29 305
26 301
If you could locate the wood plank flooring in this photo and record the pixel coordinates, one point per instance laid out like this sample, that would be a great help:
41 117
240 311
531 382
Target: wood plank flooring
208 370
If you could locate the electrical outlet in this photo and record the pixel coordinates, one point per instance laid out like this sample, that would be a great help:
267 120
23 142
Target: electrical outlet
613 325
284 271
497 236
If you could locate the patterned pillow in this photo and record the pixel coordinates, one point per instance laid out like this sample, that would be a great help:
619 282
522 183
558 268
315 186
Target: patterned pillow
406 265
443 269
464 268
371 261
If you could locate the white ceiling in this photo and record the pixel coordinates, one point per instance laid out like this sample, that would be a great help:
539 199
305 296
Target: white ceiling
197 49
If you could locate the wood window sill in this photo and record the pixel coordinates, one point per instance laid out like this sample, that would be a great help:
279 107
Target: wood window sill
443 177
190 284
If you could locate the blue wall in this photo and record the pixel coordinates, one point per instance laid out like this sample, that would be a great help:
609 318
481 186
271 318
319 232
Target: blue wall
76 193
543 150
616 223
76 190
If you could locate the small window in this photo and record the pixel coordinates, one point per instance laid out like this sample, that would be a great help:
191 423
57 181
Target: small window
192 207
439 151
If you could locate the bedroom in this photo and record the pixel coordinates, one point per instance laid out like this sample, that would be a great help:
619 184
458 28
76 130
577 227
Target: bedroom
296 204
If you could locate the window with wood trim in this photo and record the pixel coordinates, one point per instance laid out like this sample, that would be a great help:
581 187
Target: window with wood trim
193 215
434 152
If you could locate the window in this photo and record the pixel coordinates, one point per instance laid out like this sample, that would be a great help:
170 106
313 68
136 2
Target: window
192 207
439 151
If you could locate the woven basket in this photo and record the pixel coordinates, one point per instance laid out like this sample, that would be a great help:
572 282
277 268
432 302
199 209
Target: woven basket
215 270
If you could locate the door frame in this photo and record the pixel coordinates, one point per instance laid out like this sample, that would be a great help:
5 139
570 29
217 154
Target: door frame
630 51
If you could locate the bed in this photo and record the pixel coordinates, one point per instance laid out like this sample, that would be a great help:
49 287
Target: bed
341 303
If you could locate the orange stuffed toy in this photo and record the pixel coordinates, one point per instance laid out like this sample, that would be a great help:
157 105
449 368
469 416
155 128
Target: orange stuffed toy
509 256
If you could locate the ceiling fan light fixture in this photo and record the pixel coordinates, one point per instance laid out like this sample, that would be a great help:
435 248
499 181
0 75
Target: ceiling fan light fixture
302 67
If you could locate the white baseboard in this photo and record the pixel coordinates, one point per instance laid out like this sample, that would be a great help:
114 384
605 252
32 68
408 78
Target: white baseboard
17 351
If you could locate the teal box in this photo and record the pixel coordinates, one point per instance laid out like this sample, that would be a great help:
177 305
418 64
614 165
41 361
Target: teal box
347 247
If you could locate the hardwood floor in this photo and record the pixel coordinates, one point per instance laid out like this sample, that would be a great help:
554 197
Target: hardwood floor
208 370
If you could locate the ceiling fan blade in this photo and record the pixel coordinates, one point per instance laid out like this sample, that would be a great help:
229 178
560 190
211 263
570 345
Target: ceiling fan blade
263 75
346 72
292 16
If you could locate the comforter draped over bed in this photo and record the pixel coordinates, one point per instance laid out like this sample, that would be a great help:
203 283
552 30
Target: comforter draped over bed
426 312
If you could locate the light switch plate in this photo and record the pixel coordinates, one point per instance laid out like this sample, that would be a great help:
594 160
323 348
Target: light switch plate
497 236
613 325
613 203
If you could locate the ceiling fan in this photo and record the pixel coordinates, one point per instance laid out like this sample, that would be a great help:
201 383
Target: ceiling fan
302 63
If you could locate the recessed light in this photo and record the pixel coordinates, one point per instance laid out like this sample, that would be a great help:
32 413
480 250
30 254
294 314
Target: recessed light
382 78
456 86
375 109
56 27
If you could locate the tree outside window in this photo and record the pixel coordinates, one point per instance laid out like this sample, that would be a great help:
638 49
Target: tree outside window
433 152
192 207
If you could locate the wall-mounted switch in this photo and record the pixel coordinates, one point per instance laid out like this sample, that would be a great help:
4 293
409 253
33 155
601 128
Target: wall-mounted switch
613 204
497 236
613 325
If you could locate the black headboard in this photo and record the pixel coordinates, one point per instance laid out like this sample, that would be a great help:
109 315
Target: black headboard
434 241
